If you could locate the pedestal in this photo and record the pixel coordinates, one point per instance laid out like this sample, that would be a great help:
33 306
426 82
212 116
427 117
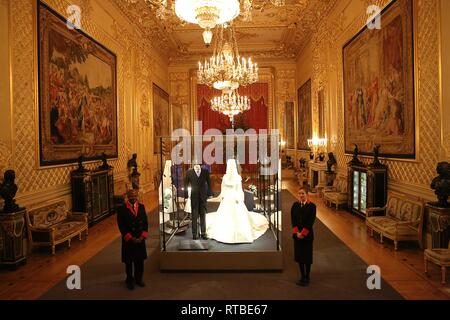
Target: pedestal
11 234
439 219
317 176
330 176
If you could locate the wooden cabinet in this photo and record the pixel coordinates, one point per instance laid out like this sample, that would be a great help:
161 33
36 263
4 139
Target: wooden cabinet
367 187
93 192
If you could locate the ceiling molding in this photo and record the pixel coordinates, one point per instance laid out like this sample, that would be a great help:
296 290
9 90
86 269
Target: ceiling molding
275 33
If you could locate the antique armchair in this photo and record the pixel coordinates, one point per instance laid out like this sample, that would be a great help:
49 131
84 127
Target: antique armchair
440 257
337 194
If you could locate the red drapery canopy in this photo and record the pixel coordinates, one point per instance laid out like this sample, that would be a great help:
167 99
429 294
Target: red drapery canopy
255 118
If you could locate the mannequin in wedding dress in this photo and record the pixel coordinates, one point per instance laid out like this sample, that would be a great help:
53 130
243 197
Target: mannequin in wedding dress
233 223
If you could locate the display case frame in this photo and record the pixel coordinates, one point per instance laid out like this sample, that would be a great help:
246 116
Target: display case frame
174 221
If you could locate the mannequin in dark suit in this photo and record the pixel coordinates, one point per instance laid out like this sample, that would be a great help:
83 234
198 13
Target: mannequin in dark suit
200 183
303 216
133 226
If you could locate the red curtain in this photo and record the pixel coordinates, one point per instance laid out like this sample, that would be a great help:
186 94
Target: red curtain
255 118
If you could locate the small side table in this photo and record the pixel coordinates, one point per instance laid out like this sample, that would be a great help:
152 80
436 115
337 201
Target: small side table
12 252
439 219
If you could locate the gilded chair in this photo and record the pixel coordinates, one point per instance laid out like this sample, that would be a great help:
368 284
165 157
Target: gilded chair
440 257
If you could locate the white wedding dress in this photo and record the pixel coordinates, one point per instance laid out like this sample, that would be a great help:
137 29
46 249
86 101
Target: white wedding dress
233 223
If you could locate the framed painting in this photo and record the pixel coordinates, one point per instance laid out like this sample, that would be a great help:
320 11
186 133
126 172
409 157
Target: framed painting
289 124
161 120
379 104
177 116
77 93
321 113
304 125
445 77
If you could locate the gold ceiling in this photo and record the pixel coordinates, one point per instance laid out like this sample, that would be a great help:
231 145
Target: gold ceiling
275 33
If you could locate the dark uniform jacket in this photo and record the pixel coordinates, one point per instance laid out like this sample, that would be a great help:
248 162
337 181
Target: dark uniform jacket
303 218
132 222
200 187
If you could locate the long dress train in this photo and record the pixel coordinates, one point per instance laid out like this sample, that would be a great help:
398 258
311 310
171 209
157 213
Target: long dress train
233 223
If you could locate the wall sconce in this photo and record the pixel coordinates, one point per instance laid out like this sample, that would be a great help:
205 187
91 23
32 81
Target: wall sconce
317 144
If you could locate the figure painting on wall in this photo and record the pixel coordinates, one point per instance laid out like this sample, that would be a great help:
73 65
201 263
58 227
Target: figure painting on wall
321 112
177 116
161 119
289 125
379 85
304 116
77 93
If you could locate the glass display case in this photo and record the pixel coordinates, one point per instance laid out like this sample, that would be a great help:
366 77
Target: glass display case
359 191
356 188
241 197
367 187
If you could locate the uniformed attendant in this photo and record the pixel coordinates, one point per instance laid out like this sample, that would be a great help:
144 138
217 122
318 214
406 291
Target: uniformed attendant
303 216
133 226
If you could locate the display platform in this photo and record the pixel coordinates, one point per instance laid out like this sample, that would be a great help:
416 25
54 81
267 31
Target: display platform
209 255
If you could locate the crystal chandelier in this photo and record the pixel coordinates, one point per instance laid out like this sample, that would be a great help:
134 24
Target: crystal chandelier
207 13
230 104
226 70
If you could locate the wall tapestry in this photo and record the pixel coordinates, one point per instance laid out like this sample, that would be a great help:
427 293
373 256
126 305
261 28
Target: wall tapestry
177 116
77 93
321 112
289 124
379 85
304 125
161 120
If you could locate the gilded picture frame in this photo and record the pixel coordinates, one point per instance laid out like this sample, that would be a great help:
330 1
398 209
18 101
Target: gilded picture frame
289 123
321 110
77 93
304 118
379 85
177 116
161 117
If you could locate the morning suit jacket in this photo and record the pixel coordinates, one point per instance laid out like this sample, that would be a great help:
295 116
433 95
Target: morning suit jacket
303 218
200 187
132 223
